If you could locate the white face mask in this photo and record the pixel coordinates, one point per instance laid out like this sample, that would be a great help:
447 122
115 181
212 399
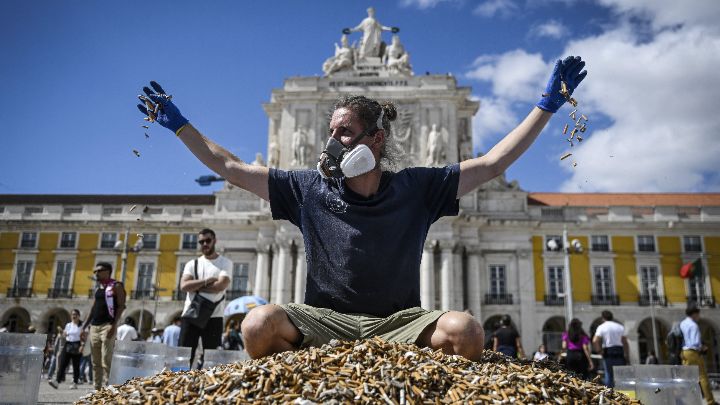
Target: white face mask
340 161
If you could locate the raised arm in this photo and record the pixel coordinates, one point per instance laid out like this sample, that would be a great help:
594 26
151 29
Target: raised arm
474 172
218 159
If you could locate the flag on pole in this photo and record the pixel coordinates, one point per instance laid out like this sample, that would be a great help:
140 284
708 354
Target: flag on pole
692 269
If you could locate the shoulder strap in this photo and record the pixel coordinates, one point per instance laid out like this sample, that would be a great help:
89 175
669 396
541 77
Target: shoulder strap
196 273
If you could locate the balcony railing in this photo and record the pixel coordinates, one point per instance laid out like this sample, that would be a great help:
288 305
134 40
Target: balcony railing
604 299
143 294
19 292
91 292
659 300
232 294
59 293
553 300
498 299
701 301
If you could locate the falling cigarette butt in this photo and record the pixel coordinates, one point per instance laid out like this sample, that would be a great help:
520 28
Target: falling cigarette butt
583 117
136 152
572 114
565 156
565 129
572 133
573 102
579 138
574 164
147 136
132 208
147 118
146 127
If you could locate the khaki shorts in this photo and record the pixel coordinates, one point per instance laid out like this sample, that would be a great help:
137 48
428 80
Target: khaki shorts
320 325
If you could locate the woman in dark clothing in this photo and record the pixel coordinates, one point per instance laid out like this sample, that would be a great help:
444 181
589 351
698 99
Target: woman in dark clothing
506 340
576 345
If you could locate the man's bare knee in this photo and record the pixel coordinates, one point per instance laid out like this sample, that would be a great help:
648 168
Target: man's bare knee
267 330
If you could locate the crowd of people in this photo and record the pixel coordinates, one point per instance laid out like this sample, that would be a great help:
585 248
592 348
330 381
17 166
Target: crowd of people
609 340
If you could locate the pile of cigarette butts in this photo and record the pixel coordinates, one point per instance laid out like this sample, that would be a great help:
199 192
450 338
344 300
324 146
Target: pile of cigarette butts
579 120
365 371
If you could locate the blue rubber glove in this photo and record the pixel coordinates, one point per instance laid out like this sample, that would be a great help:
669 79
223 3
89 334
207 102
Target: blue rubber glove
567 70
168 114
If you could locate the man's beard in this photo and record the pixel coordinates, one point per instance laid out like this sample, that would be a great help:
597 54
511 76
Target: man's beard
210 251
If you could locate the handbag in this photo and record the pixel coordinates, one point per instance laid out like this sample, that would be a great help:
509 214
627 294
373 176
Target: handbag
201 308
72 347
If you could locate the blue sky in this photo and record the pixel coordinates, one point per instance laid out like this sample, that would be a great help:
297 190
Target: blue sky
70 72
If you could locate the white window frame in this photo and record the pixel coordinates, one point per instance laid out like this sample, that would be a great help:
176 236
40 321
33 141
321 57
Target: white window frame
548 282
153 276
234 279
700 238
30 275
22 238
609 245
75 240
71 273
157 241
504 290
637 244
611 280
191 235
658 280
100 242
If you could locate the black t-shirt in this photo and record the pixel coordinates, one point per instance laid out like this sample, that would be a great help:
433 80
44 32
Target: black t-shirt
100 313
506 337
363 254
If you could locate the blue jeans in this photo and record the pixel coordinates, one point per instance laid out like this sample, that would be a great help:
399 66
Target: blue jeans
612 356
509 351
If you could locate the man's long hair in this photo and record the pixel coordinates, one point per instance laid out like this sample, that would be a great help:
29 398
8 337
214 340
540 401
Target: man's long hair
368 111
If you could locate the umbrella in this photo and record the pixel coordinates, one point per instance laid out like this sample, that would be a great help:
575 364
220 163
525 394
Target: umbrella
243 305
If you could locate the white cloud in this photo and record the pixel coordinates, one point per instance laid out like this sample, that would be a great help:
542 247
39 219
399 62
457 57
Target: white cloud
515 75
425 4
551 29
491 7
659 94
494 118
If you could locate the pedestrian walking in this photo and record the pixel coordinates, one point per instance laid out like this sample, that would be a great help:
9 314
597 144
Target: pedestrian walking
610 337
86 373
72 334
171 335
693 350
576 345
107 308
58 348
506 339
205 280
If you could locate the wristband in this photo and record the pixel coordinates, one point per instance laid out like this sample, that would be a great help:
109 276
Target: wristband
177 133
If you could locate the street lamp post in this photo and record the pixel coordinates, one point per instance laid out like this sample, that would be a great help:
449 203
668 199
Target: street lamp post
573 246
124 247
653 290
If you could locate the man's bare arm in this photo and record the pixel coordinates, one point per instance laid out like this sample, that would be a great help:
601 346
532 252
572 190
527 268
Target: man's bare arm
475 172
218 159
189 284
217 286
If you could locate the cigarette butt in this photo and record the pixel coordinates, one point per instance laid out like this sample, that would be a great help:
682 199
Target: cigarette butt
572 133
583 117
136 152
574 164
573 102
571 142
545 95
565 156
572 114
146 118
583 128
147 136
146 127
579 138
132 208
565 129
563 87
155 110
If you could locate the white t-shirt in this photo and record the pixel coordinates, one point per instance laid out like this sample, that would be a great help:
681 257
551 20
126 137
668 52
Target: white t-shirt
218 267
72 332
126 332
611 333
